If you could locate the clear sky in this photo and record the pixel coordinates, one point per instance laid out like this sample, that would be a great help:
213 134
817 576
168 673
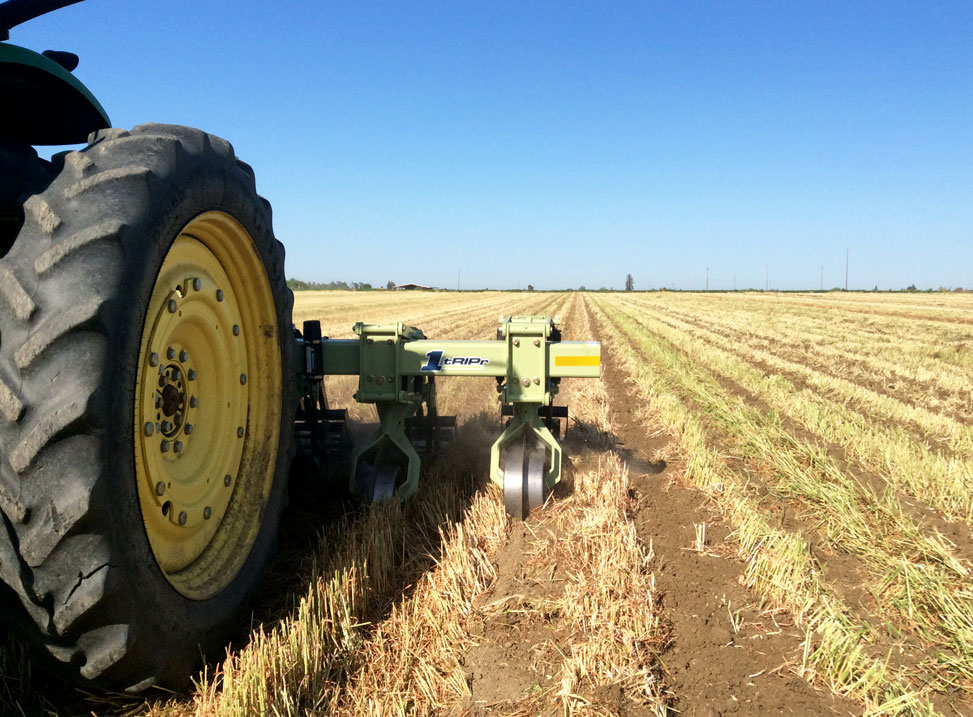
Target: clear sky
565 144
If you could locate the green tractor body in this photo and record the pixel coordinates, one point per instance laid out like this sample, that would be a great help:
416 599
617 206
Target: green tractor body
46 104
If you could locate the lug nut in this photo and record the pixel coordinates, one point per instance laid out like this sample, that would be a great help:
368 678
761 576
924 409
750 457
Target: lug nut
193 402
149 429
170 353
227 479
153 359
537 381
526 382
197 284
183 356
189 428
173 306
516 342
177 446
191 375
219 294
239 432
236 330
160 488
183 518
207 512
164 446
243 379
537 342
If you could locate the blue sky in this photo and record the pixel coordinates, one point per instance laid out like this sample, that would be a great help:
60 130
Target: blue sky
566 144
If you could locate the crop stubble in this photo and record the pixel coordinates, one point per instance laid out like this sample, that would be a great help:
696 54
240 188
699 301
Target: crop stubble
766 508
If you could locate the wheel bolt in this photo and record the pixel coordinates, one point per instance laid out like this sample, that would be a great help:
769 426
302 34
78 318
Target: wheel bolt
189 428
207 512
197 284
243 379
191 375
183 518
525 381
236 330
160 488
177 446
173 306
170 353
153 359
149 429
239 432
164 446
219 294
183 356
193 402
227 479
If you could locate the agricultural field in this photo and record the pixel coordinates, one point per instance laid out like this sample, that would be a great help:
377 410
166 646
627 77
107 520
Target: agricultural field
766 509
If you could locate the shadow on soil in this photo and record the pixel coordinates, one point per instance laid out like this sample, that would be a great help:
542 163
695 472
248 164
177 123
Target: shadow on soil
319 505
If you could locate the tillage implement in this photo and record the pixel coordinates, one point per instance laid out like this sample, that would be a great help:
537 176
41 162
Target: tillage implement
153 389
397 368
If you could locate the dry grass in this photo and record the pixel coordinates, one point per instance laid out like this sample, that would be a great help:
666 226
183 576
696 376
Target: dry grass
396 600
816 454
786 412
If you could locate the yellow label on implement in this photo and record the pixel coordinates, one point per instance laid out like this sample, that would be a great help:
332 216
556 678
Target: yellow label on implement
577 360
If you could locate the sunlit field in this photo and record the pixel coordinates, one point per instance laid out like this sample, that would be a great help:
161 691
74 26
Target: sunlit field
794 471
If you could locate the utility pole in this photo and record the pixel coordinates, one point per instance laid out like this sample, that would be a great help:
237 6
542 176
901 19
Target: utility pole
847 254
822 278
707 278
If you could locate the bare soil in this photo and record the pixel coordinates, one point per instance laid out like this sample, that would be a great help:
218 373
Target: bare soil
713 667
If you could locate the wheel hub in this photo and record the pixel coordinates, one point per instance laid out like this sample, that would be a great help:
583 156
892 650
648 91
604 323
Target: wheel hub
194 404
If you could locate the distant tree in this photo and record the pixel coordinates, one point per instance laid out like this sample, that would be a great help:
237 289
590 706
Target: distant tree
876 288
911 287
958 289
390 285
581 288
629 283
530 287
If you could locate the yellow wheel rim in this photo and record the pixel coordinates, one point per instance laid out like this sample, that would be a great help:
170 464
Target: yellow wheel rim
207 405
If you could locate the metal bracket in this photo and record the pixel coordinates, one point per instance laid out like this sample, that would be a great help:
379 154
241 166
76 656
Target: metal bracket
527 418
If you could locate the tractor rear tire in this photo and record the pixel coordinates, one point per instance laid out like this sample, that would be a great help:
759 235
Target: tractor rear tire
138 513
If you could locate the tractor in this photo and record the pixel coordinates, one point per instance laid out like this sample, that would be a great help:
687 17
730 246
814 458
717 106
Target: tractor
154 391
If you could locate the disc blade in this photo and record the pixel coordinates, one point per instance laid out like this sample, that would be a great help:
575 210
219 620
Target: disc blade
385 479
535 477
513 480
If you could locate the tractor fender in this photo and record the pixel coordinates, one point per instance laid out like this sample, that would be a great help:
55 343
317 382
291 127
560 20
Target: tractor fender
46 104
